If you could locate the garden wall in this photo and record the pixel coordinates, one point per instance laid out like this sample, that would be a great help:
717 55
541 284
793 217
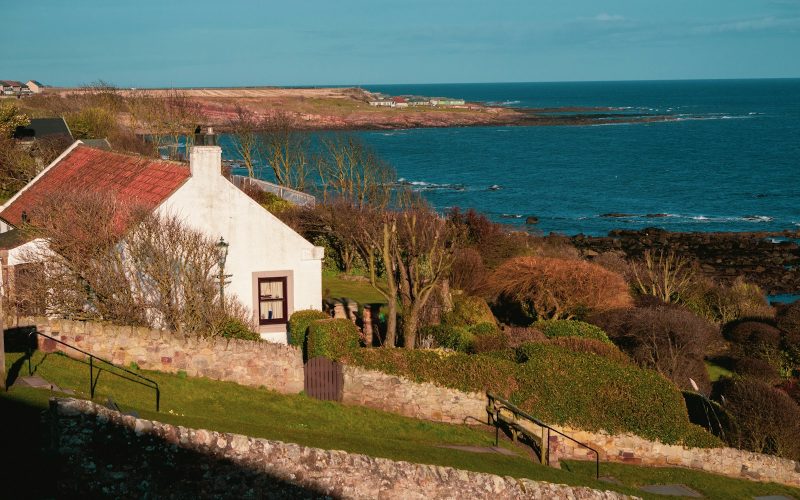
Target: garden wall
274 366
430 402
103 451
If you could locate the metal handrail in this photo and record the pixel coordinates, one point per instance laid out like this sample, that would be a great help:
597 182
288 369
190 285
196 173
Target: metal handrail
92 383
519 412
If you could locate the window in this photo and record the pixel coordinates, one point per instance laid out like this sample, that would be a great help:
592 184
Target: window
272 301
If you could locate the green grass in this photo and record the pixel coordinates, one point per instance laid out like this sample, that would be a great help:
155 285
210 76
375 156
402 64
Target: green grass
334 286
715 372
711 486
228 407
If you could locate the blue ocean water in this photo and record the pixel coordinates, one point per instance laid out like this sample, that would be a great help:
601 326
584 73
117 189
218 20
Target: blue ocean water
729 161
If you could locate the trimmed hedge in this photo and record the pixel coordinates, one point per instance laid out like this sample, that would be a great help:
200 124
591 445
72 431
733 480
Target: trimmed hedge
558 386
332 338
299 323
232 328
450 337
571 328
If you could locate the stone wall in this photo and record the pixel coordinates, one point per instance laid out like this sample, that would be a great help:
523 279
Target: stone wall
628 448
274 366
425 401
430 402
103 452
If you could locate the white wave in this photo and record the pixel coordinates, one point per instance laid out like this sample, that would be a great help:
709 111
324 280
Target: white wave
510 103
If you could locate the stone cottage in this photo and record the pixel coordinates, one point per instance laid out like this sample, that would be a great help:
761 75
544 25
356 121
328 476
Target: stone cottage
273 270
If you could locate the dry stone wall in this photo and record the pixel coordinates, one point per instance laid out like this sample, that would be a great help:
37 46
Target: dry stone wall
254 363
106 453
424 401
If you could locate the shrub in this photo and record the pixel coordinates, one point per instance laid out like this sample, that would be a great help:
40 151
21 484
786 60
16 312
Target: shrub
550 288
332 338
468 310
753 333
518 335
450 337
571 328
758 369
669 339
762 419
788 317
91 123
790 345
496 341
725 303
484 329
605 349
232 328
468 272
299 323
556 385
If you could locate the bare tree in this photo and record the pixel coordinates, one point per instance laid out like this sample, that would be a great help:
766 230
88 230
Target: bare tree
348 169
285 149
244 132
423 255
666 276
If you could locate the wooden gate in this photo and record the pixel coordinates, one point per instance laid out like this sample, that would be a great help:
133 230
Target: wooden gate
324 379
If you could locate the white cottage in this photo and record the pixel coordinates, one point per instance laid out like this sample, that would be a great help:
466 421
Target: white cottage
273 270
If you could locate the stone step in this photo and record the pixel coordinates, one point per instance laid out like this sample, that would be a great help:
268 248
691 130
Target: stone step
38 382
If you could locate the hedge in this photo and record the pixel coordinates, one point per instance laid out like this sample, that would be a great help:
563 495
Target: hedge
332 338
558 386
299 323
450 337
571 328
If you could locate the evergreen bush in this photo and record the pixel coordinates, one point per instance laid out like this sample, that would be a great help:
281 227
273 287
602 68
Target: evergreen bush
299 323
468 310
332 338
571 328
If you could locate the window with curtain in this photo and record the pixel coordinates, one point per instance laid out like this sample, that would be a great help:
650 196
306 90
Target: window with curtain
272 307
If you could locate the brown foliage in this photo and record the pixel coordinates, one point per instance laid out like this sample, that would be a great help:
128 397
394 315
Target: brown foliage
762 419
112 261
669 339
468 273
725 303
550 288
758 369
518 335
788 317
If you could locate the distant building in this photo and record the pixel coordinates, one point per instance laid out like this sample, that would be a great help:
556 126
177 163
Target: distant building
400 102
382 103
446 101
35 87
11 87
43 127
419 101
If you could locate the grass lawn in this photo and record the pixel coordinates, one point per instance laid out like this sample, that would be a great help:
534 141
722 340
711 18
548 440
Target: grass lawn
715 372
228 407
334 286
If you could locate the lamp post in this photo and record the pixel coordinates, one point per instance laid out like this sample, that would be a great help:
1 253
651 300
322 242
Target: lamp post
222 256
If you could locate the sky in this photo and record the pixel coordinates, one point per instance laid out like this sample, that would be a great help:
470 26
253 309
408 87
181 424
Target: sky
166 43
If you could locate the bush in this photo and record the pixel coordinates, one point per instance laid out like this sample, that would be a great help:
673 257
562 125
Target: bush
556 385
232 328
497 341
571 328
762 419
518 335
751 333
722 304
669 339
450 337
757 369
299 323
550 288
468 272
788 318
467 311
332 338
484 329
605 349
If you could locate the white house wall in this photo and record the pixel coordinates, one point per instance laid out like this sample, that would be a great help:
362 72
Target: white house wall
259 241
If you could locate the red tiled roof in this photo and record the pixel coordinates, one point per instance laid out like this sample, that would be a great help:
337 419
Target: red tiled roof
143 181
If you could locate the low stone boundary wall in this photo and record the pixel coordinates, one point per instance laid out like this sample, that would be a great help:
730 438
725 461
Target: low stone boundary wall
430 402
274 366
105 452
418 400
628 448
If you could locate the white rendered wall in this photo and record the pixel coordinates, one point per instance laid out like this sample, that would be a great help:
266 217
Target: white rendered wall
259 241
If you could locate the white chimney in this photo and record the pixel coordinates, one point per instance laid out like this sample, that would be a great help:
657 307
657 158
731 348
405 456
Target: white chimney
205 158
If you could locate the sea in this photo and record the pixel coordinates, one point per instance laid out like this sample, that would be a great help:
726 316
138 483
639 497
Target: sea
727 160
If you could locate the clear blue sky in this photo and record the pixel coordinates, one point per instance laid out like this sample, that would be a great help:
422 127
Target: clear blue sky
315 42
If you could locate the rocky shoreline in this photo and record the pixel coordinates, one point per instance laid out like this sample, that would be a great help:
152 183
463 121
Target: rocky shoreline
769 259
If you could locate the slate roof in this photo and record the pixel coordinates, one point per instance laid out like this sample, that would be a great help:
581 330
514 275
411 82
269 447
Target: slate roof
97 143
43 127
14 238
143 181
